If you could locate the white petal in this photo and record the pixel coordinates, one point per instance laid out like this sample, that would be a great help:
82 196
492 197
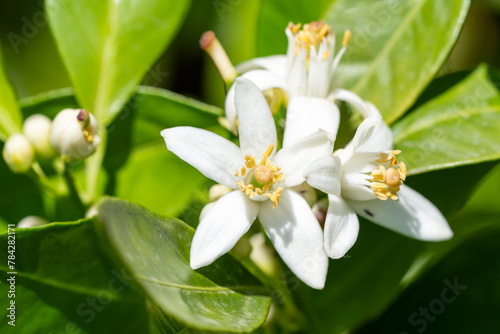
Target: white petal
256 124
362 136
357 102
305 115
275 64
413 215
216 157
297 237
262 79
295 158
381 139
220 229
324 174
341 227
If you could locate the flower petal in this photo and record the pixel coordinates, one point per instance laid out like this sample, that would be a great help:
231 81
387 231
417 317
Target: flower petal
357 102
324 174
362 136
216 157
305 115
262 79
413 215
256 124
297 237
341 227
275 64
220 229
295 158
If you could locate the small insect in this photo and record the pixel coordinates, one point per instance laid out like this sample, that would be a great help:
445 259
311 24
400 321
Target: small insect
368 212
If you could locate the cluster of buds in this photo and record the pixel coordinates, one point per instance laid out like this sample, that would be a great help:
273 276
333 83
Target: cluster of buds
72 134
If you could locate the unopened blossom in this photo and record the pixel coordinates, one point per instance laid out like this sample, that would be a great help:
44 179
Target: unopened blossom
367 178
260 179
74 134
305 74
18 153
37 129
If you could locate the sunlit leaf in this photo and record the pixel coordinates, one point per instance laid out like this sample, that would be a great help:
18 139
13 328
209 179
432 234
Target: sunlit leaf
155 249
461 126
10 115
107 46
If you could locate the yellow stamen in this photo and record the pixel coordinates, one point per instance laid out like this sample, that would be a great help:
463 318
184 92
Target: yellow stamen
326 54
267 154
347 37
243 171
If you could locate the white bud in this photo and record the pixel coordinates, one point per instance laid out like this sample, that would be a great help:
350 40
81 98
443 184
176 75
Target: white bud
37 129
18 153
263 255
217 191
205 210
32 221
74 134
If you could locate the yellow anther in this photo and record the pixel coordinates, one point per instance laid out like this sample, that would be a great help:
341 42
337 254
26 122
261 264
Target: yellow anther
267 154
378 186
381 196
259 191
402 171
236 173
394 160
243 171
266 187
251 194
322 33
384 157
395 152
347 37
294 27
326 54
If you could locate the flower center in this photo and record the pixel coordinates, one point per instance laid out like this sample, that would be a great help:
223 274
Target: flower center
83 118
263 180
388 176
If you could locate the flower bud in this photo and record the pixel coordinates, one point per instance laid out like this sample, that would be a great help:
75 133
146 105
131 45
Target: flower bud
307 192
74 134
18 153
31 221
37 129
217 191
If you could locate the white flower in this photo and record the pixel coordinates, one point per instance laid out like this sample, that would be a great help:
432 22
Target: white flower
305 74
18 153
260 179
37 129
74 134
366 178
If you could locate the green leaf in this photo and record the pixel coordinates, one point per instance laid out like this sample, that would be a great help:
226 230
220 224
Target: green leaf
459 127
11 119
155 249
475 268
396 47
65 283
107 46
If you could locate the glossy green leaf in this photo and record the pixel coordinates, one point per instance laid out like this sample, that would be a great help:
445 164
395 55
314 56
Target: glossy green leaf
396 47
155 249
451 292
461 126
65 283
11 119
107 46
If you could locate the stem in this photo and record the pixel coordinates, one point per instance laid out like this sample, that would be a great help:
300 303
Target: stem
38 175
73 192
93 166
284 300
